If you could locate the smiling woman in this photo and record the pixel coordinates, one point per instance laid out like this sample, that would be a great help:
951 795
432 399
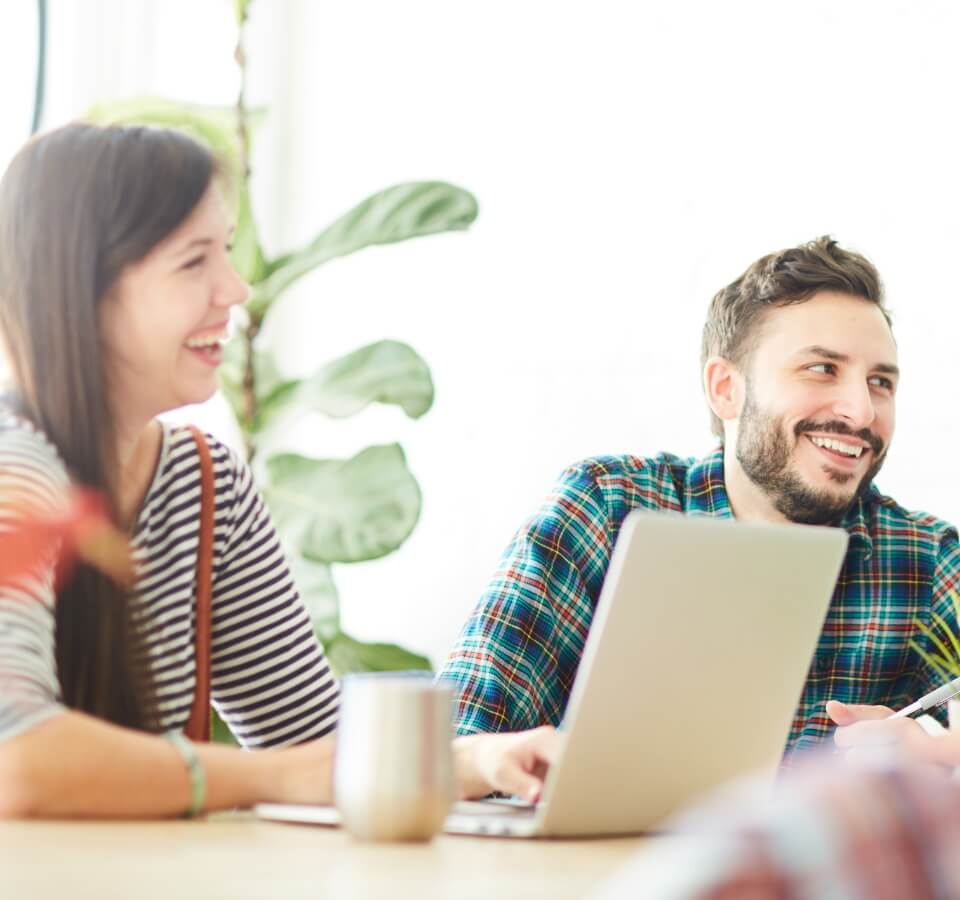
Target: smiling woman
117 291
165 321
106 285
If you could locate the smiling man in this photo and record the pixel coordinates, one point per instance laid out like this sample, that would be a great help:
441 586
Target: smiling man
800 373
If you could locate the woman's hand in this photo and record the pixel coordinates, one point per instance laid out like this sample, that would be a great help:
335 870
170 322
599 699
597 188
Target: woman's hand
513 763
300 774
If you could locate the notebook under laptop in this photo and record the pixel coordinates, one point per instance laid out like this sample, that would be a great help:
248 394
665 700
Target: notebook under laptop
692 671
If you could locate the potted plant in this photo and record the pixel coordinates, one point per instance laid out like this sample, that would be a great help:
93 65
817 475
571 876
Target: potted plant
329 512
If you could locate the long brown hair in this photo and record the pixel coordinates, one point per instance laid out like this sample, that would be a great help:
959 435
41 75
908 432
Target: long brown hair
78 205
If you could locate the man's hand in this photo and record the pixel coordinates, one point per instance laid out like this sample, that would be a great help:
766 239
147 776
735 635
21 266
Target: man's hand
871 727
513 763
848 713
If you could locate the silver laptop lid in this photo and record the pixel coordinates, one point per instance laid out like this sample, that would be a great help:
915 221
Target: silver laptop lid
696 658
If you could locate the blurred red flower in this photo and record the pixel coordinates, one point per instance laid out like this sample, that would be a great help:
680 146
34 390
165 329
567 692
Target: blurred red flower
85 532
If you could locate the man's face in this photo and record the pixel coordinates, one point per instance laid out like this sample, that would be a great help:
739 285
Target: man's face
818 410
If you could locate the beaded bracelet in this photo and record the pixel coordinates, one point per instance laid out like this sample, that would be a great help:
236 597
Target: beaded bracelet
198 778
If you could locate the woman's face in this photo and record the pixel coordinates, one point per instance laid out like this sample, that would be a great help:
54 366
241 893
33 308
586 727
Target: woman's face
165 321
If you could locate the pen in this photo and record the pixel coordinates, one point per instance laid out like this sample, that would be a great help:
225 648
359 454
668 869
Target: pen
928 701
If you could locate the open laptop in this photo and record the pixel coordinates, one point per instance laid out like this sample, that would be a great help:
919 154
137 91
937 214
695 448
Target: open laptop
691 673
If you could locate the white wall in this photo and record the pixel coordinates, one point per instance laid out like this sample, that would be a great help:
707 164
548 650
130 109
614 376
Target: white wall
629 160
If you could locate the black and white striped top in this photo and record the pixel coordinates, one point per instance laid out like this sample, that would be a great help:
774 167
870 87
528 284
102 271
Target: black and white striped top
270 681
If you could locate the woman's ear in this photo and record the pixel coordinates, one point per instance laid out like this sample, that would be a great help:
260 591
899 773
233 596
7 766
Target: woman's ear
723 385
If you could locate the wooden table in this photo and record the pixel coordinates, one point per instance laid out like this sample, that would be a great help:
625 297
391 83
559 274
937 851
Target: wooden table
238 857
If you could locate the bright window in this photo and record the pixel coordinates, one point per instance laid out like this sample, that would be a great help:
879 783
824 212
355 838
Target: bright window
18 63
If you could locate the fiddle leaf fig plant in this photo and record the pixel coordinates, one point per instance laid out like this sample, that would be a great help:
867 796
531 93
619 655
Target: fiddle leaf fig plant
328 512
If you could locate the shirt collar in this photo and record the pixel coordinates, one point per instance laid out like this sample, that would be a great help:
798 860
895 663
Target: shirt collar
707 498
705 490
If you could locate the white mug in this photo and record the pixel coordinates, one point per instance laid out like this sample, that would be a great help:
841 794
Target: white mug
393 771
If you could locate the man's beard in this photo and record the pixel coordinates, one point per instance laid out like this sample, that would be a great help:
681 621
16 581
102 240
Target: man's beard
763 452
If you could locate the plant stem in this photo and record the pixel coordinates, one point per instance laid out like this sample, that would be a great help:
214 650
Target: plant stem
243 131
249 388
243 136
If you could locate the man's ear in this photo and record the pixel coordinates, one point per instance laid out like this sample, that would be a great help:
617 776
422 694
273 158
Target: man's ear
723 385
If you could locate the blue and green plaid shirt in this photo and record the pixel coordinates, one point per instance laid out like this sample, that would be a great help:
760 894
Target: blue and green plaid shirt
514 663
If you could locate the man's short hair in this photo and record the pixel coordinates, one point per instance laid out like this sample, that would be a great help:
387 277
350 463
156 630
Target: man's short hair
778 279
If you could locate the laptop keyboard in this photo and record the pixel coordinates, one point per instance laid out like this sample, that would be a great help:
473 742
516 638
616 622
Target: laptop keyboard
494 807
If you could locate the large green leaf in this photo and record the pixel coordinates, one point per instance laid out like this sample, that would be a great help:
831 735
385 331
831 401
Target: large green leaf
385 372
346 654
344 510
398 213
314 581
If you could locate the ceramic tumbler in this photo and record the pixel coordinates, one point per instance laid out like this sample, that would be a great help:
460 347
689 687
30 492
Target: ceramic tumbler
393 770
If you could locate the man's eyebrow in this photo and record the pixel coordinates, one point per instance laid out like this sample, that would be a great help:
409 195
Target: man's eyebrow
887 369
835 356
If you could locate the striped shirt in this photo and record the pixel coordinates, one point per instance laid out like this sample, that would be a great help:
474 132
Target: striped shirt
270 681
514 663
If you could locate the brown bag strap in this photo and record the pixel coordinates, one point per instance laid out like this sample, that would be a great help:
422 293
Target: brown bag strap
198 726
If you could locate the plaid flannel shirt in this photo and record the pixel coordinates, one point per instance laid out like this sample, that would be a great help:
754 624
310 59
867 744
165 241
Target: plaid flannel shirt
514 663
